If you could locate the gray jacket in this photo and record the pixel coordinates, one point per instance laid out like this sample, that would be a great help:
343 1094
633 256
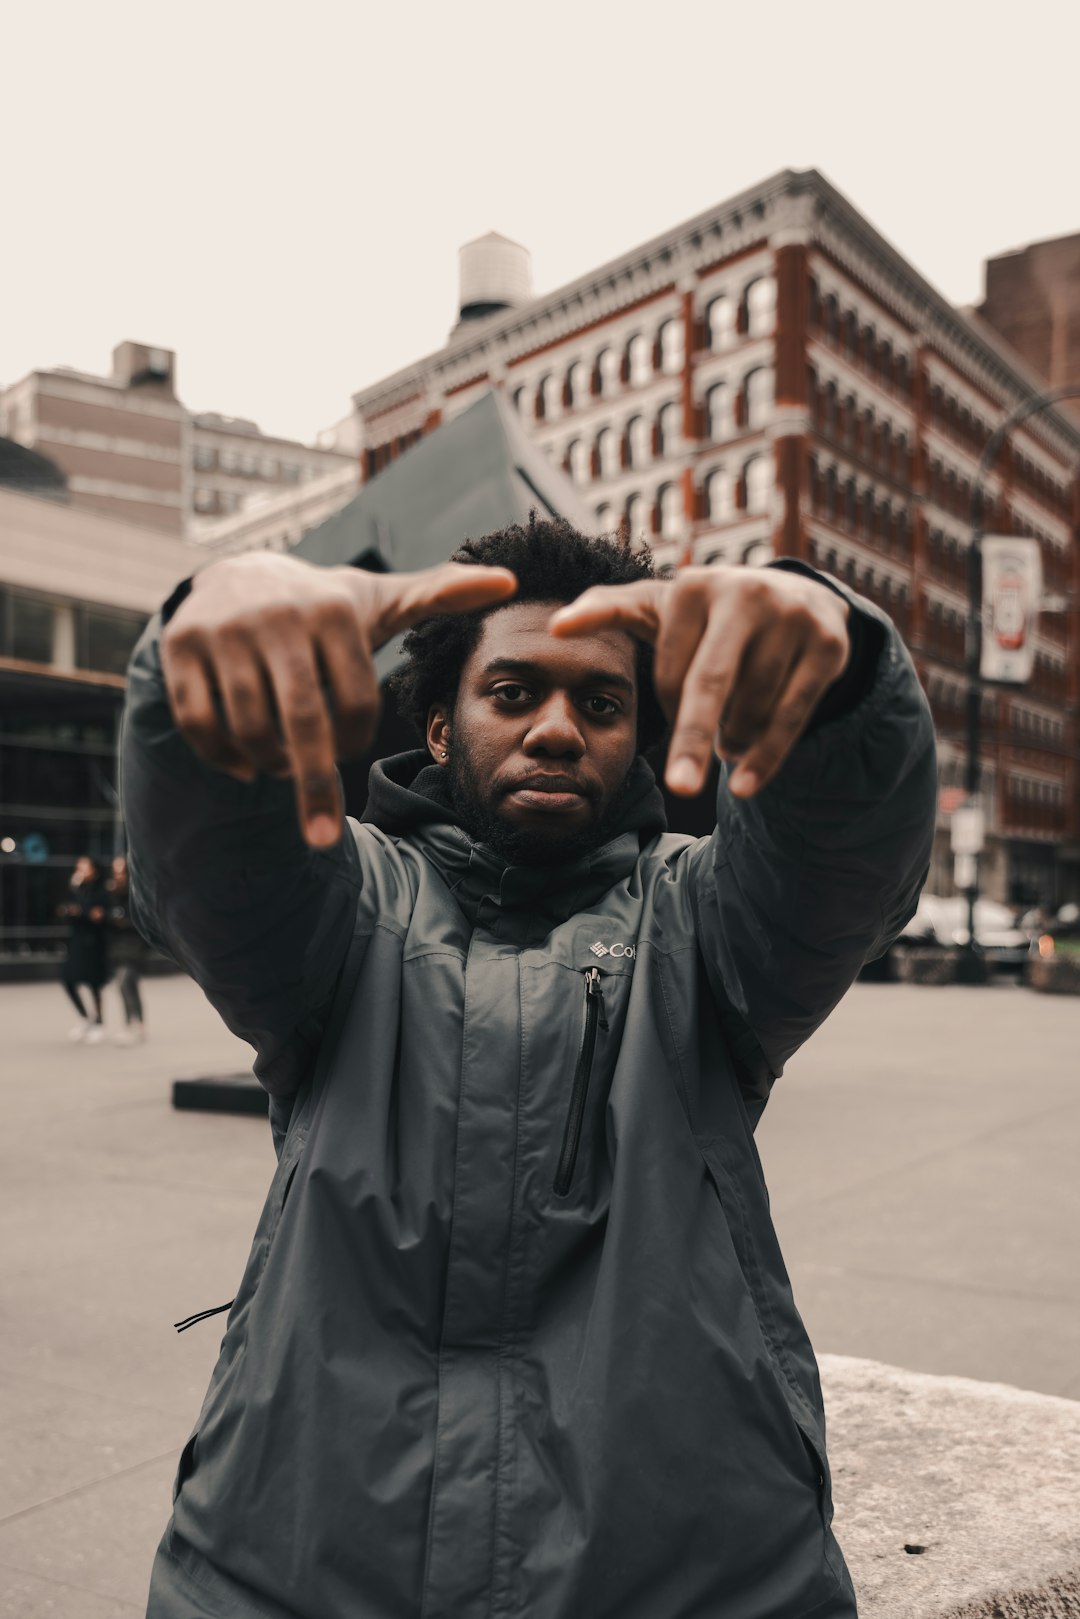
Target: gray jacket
515 1336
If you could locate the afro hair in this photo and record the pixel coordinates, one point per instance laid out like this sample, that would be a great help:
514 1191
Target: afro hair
553 562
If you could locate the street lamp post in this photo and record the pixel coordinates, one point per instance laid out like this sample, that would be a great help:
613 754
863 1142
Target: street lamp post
972 966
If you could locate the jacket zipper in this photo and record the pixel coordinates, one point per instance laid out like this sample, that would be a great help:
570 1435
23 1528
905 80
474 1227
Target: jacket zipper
594 1017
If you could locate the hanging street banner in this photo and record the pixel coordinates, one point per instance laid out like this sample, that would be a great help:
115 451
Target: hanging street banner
1012 591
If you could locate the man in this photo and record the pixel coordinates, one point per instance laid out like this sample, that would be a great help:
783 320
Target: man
515 1336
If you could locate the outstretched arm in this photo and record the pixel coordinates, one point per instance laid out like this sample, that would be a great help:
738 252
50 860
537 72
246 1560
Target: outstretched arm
236 712
823 830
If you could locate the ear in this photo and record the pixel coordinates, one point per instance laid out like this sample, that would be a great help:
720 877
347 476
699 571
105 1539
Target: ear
438 733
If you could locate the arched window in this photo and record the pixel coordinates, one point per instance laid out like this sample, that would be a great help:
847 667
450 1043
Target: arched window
521 400
759 396
718 406
830 492
551 388
637 517
720 496
672 346
641 366
668 424
607 445
830 409
721 319
756 554
603 519
640 439
609 367
580 461
671 511
868 511
832 317
757 479
760 306
578 378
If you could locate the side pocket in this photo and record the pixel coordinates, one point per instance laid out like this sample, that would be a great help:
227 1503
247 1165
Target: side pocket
799 1409
186 1465
273 1209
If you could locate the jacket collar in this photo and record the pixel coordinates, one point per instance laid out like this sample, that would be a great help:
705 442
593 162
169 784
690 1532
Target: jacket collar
407 798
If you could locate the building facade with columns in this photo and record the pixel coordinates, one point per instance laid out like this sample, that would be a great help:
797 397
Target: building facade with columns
774 378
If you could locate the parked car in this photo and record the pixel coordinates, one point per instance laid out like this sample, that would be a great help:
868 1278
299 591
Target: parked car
942 923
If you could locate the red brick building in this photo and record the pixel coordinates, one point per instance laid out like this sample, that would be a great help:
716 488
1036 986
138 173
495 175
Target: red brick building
1033 300
774 378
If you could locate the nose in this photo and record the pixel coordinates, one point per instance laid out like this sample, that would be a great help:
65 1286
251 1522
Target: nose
555 730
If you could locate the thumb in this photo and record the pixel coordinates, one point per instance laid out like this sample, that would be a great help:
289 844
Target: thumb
451 587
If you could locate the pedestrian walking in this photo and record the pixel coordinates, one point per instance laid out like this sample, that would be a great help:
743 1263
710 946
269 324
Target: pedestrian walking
515 1336
86 957
127 953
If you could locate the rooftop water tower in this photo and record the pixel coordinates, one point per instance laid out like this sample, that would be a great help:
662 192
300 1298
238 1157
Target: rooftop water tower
494 274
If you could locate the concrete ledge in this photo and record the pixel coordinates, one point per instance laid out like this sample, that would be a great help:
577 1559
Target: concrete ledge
1055 975
954 1499
932 965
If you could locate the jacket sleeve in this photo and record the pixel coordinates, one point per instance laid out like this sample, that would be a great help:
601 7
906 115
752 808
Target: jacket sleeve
222 882
800 886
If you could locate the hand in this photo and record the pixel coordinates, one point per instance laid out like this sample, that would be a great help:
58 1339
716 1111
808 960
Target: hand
743 656
260 634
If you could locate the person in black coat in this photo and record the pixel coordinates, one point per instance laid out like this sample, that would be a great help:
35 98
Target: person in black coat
86 962
126 951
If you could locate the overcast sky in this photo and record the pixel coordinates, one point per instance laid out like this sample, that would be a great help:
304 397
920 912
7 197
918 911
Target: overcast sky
278 190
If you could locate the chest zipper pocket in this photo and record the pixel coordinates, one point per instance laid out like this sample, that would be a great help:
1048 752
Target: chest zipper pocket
595 1017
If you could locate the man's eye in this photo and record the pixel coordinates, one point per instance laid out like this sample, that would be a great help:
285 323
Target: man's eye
511 693
601 705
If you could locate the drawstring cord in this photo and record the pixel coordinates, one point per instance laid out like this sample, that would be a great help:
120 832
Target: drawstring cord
202 1315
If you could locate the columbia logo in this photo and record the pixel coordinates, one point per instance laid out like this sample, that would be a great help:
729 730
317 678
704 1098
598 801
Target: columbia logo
600 950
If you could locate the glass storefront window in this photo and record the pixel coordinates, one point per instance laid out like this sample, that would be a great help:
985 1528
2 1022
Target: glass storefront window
108 640
31 629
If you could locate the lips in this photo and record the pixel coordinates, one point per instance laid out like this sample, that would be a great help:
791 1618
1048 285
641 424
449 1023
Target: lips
548 793
549 784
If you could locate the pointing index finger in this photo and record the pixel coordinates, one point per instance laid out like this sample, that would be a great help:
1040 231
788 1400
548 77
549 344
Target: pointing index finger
634 607
452 587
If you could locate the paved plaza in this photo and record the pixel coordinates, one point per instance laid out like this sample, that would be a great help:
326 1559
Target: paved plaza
922 1156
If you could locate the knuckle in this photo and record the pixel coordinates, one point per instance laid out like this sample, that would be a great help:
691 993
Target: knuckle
712 680
282 618
319 786
694 738
307 724
336 614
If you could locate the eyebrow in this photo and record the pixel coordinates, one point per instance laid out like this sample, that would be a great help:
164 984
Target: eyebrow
591 677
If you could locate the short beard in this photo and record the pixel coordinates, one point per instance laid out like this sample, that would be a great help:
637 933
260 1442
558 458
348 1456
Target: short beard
519 845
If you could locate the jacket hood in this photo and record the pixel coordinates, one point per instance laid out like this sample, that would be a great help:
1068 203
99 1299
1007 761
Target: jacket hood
407 797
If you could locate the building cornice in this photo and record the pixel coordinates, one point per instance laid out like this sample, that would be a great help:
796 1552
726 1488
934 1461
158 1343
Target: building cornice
666 261
792 205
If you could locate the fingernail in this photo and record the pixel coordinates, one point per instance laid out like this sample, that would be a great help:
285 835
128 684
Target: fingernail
682 775
744 783
322 831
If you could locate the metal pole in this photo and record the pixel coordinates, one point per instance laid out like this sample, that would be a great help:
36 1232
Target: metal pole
972 966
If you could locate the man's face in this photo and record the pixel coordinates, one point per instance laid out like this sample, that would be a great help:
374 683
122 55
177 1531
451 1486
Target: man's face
541 737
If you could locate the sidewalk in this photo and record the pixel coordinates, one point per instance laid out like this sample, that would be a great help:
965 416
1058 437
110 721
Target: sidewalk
117 1217
921 1152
